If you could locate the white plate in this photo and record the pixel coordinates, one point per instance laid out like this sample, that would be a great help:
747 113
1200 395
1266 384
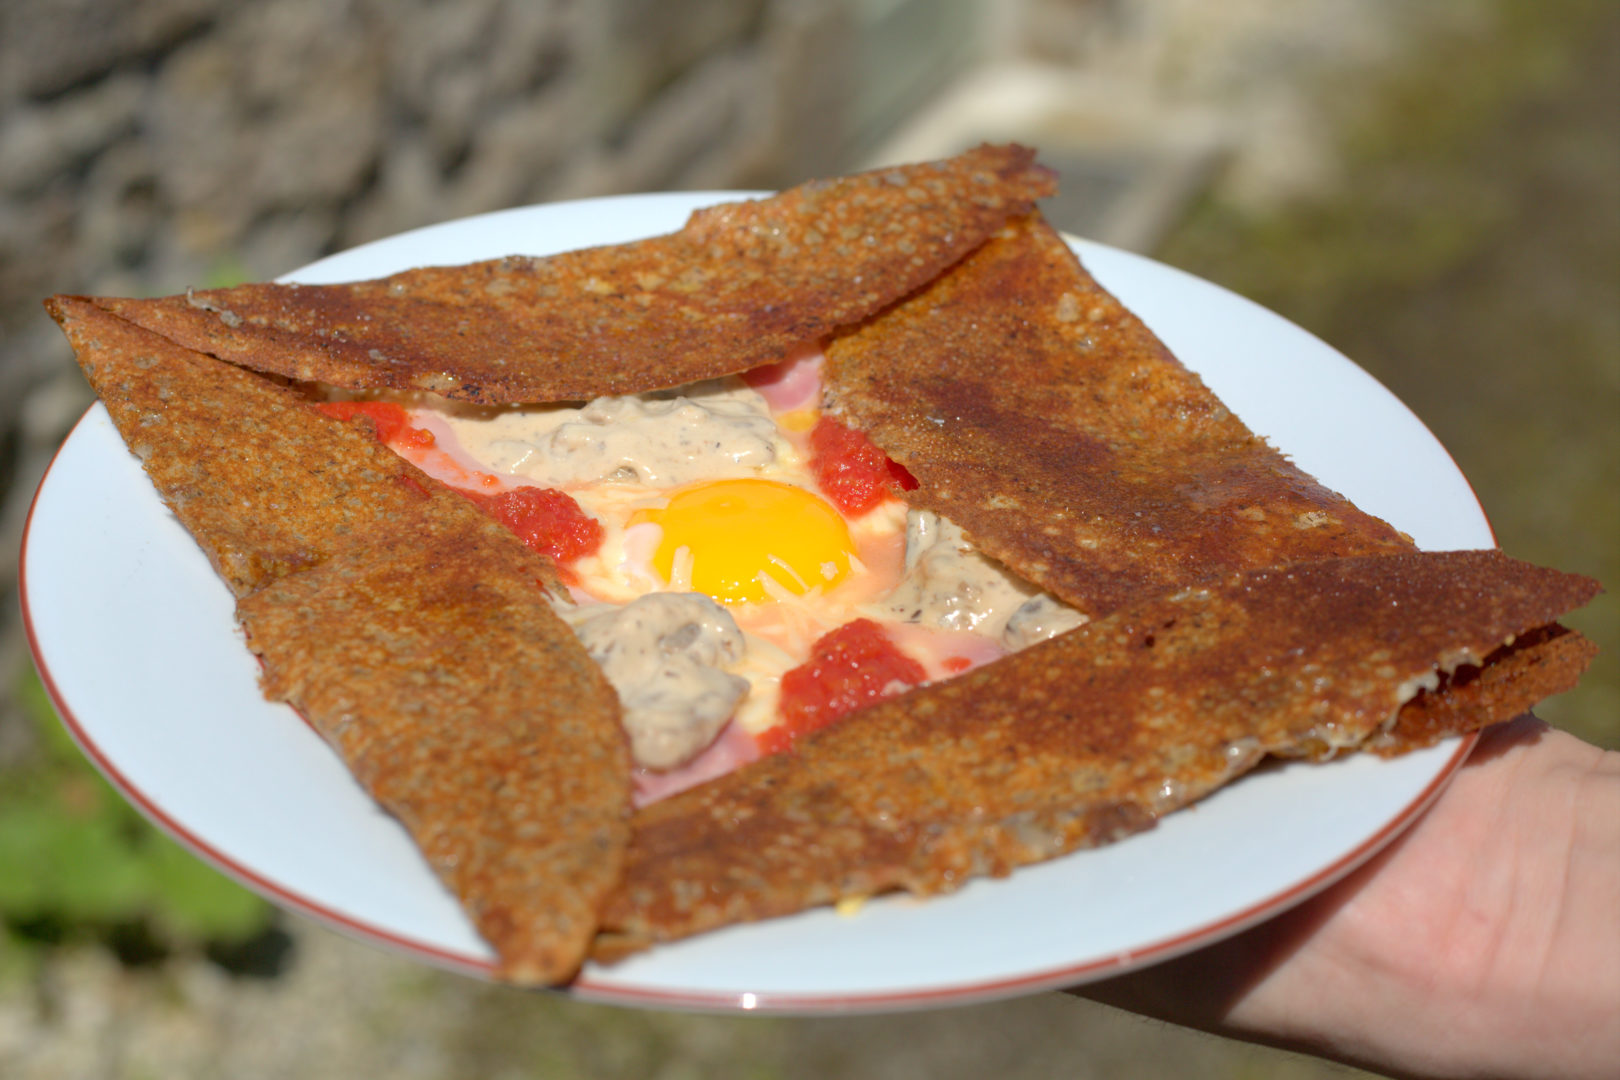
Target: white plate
135 639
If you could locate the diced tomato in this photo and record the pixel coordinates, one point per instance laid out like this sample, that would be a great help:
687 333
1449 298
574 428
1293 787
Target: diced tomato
391 422
848 668
547 520
851 471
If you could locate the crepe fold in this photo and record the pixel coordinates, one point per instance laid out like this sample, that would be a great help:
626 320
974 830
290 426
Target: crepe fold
413 633
1048 421
458 700
738 287
1095 734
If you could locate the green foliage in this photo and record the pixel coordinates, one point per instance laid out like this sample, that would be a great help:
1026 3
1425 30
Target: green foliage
225 272
76 860
1467 261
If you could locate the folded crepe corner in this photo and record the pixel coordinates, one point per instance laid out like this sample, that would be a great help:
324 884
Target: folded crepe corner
408 629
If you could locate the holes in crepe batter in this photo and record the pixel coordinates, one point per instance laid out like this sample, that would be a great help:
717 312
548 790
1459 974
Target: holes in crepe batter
1152 636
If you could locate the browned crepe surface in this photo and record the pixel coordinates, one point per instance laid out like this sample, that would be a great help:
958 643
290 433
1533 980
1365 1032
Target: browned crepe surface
472 714
738 287
265 484
412 632
1046 420
1080 740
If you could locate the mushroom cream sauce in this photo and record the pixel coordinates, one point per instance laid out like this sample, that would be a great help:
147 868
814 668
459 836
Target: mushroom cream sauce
722 563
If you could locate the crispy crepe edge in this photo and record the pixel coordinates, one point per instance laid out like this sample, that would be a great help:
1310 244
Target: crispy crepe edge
1046 420
368 590
1094 735
738 287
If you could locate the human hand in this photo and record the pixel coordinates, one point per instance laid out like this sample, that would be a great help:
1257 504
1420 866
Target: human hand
1485 941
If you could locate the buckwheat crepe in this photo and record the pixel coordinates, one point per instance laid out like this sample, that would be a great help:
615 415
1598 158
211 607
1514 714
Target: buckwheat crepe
1046 420
739 286
1241 609
1087 738
410 630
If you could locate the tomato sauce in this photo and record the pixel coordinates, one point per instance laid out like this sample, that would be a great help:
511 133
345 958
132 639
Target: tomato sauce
851 471
849 668
547 520
391 422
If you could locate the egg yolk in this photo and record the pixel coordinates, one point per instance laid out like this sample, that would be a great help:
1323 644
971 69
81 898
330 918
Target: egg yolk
737 532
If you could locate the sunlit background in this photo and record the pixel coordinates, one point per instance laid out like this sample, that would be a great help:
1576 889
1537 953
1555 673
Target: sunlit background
1432 188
